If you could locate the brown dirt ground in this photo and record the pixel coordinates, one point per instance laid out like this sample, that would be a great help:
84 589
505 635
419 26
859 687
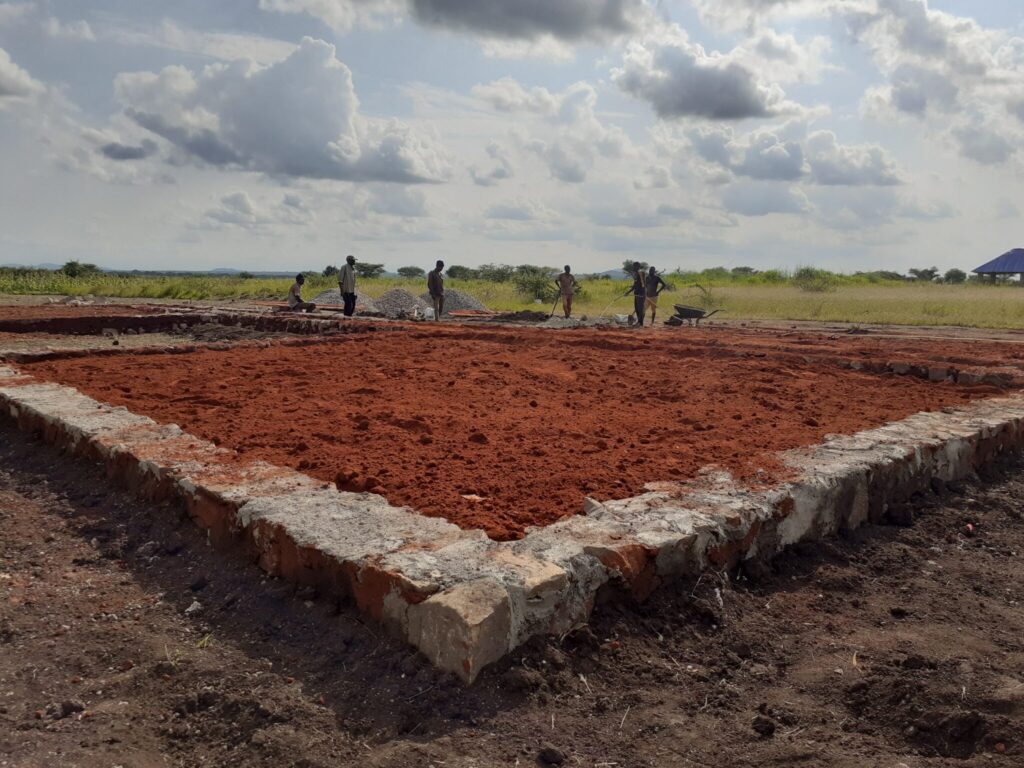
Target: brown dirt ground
892 647
502 429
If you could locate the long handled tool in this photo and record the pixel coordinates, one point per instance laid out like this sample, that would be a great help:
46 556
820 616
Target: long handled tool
554 307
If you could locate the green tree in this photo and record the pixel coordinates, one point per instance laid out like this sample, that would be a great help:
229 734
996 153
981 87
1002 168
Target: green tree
411 271
496 273
78 269
955 276
455 272
245 275
925 275
330 271
535 282
627 266
743 271
363 269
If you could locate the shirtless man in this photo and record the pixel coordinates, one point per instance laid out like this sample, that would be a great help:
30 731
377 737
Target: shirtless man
295 302
654 286
435 285
639 291
566 283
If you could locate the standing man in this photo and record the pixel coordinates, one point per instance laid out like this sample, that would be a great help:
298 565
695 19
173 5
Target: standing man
566 283
435 285
347 285
639 291
295 302
654 286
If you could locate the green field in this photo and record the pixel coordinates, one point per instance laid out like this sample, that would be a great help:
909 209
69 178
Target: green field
768 296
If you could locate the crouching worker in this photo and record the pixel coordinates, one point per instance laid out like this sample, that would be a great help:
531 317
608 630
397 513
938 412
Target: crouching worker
295 302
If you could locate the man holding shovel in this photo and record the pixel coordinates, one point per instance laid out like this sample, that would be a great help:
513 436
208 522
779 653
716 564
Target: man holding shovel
566 284
639 291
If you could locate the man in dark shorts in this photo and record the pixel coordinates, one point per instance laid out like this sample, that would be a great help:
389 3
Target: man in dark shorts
435 285
653 285
566 283
639 291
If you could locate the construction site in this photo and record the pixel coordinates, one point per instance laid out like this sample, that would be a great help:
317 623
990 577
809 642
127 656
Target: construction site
235 535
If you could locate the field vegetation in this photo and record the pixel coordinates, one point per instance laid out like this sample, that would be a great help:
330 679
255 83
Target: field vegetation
742 293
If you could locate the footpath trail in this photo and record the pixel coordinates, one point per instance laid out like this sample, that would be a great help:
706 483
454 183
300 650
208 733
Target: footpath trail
125 640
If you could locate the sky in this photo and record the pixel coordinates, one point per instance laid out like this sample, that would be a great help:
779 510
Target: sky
852 135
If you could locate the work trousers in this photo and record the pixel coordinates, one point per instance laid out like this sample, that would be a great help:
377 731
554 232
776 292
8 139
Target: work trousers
640 307
350 303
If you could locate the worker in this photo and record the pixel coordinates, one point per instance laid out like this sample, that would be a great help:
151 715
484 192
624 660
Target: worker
347 285
435 285
566 284
639 291
295 302
653 286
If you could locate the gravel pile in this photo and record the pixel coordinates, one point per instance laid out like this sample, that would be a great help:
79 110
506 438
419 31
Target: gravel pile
457 300
399 303
333 298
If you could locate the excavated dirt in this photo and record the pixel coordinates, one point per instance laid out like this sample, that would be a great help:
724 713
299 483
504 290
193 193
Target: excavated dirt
126 640
501 429
48 311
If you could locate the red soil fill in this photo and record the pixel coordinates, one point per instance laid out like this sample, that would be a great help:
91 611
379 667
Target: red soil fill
523 422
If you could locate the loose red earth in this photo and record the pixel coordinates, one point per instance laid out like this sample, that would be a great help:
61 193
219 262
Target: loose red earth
502 429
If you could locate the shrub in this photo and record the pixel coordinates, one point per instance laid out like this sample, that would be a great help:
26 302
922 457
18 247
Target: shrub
814 280
535 282
363 269
330 271
955 276
411 272
78 269
496 273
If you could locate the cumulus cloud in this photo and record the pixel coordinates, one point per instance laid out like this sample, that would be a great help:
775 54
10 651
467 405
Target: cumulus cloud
297 117
680 79
15 82
983 145
790 154
526 19
568 20
235 210
508 95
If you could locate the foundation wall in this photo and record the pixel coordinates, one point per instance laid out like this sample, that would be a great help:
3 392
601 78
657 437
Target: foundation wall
465 601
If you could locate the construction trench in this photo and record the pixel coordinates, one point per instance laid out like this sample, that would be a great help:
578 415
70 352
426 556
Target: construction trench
470 486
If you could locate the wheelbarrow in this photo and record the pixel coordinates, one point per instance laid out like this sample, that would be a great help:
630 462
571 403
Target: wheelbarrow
692 314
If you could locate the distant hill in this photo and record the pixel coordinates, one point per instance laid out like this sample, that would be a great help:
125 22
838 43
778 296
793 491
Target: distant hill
46 265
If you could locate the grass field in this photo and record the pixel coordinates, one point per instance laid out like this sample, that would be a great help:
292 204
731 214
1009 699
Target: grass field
848 299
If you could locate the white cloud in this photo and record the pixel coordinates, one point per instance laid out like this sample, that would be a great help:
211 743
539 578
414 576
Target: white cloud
764 199
680 79
298 117
519 209
73 30
507 95
983 144
15 82
173 36
342 15
11 13
500 170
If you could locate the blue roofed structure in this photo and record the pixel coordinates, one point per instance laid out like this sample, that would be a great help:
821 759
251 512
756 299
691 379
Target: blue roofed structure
1010 263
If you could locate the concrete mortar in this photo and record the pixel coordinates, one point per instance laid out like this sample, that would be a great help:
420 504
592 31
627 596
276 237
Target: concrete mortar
464 600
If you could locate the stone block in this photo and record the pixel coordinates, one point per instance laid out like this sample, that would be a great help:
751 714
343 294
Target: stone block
464 628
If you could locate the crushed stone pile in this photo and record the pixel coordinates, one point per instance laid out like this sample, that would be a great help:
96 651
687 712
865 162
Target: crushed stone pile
332 298
455 301
400 303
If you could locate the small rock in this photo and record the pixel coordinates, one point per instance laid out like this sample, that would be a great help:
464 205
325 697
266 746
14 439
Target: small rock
549 755
193 609
70 707
763 726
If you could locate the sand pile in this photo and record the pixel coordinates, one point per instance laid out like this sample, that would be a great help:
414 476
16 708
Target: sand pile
333 298
455 301
400 303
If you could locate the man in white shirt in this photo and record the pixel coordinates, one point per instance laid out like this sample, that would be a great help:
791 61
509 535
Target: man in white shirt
347 285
